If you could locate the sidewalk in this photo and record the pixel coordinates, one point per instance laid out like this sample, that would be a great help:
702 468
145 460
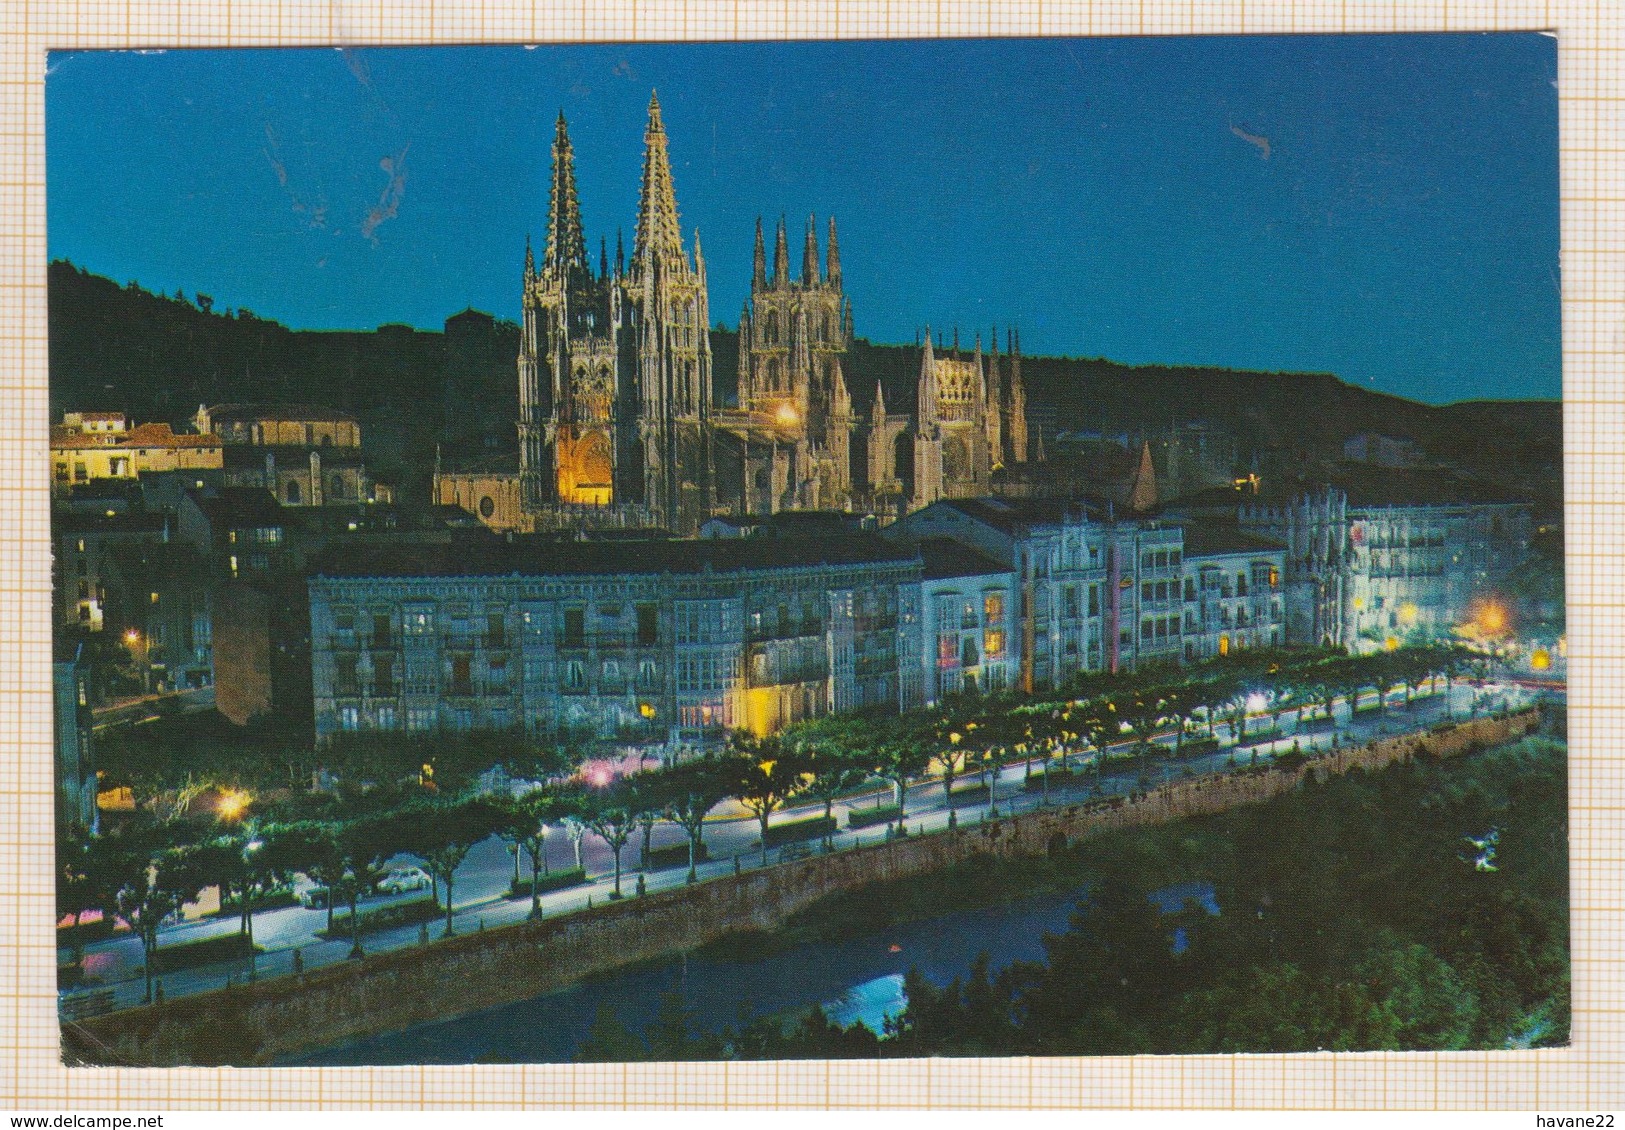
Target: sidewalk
733 842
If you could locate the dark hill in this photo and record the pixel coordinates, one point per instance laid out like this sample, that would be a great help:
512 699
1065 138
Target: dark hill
158 357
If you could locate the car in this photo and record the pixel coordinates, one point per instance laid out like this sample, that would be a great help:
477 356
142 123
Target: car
310 894
402 879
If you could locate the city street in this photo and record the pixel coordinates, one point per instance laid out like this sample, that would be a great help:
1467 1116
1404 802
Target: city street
731 836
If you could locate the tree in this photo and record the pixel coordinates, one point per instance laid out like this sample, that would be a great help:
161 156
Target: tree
145 881
312 847
367 845
764 776
612 814
525 821
78 888
445 833
688 791
835 771
901 756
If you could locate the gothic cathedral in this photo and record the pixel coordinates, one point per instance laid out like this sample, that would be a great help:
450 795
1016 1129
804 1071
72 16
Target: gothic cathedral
615 367
620 424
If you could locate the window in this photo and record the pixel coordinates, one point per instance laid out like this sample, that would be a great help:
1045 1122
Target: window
1147 629
344 676
575 627
993 643
336 486
386 718
993 608
496 634
382 625
1241 584
648 673
1069 601
1094 600
487 507
349 719
291 492
648 625
383 674
419 621
575 675
1146 589
967 655
344 619
461 678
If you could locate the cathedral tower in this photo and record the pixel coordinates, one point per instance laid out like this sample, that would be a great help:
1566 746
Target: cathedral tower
615 368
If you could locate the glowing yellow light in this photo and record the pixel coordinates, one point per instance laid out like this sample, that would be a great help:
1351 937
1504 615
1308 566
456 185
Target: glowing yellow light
1359 603
787 414
1391 643
953 738
132 637
1407 613
232 804
1541 660
646 709
1492 618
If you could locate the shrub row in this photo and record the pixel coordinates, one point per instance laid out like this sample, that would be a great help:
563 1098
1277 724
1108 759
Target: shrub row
190 955
676 855
807 828
385 917
270 900
869 817
557 881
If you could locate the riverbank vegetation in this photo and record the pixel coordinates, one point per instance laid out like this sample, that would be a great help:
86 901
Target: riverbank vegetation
1420 907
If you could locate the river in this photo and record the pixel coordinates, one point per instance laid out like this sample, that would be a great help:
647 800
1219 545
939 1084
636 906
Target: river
857 980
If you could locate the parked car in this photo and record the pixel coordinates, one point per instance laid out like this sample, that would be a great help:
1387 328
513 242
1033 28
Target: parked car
402 879
310 894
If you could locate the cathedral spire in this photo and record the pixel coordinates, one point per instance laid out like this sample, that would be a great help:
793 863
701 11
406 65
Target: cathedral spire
603 258
832 264
758 274
566 246
809 254
928 386
530 260
781 258
658 236
880 402
620 253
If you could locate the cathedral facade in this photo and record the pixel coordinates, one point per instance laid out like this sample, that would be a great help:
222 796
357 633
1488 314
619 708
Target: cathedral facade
620 422
615 364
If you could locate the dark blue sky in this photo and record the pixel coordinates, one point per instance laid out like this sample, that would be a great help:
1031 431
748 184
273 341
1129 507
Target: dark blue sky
1100 194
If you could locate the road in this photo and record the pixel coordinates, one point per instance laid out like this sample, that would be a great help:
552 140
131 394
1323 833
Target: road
732 837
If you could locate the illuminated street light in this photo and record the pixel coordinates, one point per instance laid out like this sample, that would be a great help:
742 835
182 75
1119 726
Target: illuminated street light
232 804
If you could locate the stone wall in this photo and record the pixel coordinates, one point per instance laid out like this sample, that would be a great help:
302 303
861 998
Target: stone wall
390 991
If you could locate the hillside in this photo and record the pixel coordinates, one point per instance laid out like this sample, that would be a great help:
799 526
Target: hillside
158 357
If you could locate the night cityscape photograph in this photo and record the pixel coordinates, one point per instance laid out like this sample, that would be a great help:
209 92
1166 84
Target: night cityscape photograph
821 550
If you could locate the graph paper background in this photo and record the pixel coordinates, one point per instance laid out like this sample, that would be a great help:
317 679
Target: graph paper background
1590 1074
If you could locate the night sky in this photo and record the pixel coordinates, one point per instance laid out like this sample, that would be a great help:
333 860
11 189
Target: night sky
1111 197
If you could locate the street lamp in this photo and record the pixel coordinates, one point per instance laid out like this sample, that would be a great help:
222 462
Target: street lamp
232 804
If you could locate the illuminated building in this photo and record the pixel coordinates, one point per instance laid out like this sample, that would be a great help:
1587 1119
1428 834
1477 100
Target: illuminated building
675 642
91 446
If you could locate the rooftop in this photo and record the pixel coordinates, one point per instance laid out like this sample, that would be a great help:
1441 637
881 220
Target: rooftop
1013 515
262 411
944 558
1214 538
539 557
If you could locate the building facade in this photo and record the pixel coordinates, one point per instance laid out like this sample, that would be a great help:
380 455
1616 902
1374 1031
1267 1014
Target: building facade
303 454
970 626
1367 572
1096 592
650 641
91 446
